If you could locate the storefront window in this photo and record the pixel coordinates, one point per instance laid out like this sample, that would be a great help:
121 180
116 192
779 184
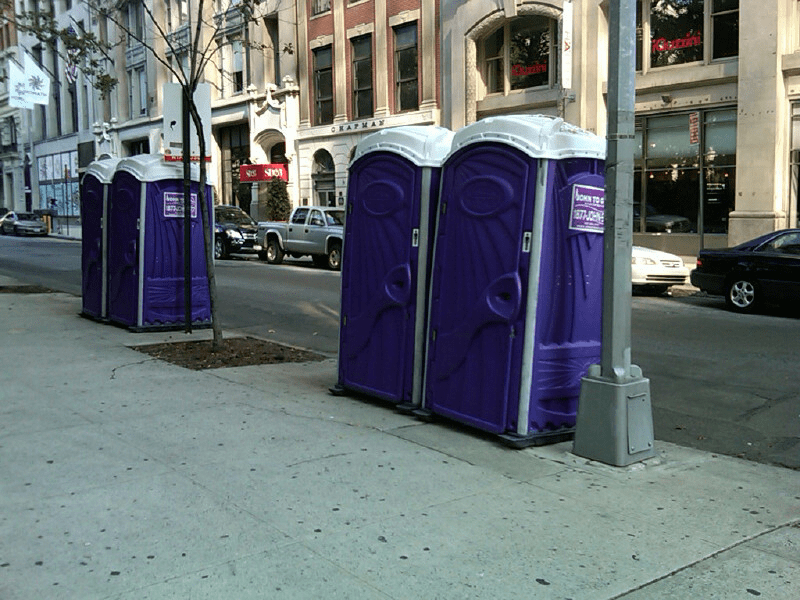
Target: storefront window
521 54
530 52
794 165
719 173
676 32
680 189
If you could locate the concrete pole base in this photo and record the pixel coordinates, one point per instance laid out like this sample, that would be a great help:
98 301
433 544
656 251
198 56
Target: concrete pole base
615 420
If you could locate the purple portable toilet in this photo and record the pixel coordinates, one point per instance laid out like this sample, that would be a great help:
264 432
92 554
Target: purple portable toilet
393 185
516 290
95 184
145 245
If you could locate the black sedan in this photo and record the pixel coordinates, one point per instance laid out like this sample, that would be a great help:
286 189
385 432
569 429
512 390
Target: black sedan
763 270
234 232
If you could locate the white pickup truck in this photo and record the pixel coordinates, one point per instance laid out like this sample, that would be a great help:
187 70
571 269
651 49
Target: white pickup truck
311 230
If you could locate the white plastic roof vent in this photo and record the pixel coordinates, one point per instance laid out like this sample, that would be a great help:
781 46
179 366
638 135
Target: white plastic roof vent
539 136
425 146
102 170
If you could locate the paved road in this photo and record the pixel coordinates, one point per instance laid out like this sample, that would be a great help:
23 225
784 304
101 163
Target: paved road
720 382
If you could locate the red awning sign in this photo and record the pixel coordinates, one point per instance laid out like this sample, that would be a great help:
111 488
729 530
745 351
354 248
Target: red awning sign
263 172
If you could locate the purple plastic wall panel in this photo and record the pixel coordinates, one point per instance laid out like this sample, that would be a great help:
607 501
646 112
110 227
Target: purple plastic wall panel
379 270
92 263
163 285
124 202
479 283
569 313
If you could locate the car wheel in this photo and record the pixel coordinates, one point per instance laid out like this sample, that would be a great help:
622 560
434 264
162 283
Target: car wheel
220 251
742 294
335 257
274 252
16 230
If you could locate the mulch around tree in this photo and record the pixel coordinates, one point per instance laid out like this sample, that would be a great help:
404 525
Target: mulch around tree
235 352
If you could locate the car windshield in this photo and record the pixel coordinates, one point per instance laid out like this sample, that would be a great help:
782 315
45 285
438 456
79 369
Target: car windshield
237 217
335 217
28 217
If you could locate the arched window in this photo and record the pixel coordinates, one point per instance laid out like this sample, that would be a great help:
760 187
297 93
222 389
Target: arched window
324 178
520 54
277 153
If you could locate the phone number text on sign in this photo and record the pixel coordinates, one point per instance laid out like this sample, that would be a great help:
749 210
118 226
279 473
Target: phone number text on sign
173 205
587 209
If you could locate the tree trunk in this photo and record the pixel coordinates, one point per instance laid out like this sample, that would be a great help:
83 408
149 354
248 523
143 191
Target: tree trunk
216 326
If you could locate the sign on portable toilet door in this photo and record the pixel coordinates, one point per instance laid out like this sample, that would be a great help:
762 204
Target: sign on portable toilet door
587 208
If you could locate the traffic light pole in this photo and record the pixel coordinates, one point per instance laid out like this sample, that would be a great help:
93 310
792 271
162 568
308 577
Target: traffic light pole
615 420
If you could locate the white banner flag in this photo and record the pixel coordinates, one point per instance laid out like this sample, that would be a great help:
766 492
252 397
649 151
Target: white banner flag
17 88
37 82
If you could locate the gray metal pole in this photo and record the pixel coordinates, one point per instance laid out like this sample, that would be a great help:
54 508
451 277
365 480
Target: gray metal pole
615 422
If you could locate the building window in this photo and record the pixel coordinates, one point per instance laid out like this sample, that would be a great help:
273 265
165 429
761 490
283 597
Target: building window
679 29
685 172
725 28
494 52
232 70
135 22
138 147
137 93
179 67
72 91
324 178
271 25
320 6
177 13
142 88
362 76
521 54
234 144
323 86
406 67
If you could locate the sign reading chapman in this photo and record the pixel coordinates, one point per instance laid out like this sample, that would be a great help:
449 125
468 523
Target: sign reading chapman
357 126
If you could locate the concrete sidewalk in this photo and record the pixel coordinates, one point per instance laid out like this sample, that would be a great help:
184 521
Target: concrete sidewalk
124 477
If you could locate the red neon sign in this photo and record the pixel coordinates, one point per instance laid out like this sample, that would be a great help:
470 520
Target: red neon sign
523 70
688 41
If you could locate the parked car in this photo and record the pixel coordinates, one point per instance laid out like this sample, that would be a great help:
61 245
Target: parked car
654 272
317 231
234 232
22 224
655 222
763 270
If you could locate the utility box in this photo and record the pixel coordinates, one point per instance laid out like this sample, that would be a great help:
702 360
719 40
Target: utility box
517 278
146 245
392 191
94 191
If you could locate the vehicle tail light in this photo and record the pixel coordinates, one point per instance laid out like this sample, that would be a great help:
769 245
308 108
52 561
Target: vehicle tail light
699 262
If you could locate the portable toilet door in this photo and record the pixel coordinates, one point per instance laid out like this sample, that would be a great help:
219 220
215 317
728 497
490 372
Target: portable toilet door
393 182
497 343
94 190
146 245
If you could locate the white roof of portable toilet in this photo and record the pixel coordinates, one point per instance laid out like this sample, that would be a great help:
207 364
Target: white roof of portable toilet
425 146
539 136
102 170
153 167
